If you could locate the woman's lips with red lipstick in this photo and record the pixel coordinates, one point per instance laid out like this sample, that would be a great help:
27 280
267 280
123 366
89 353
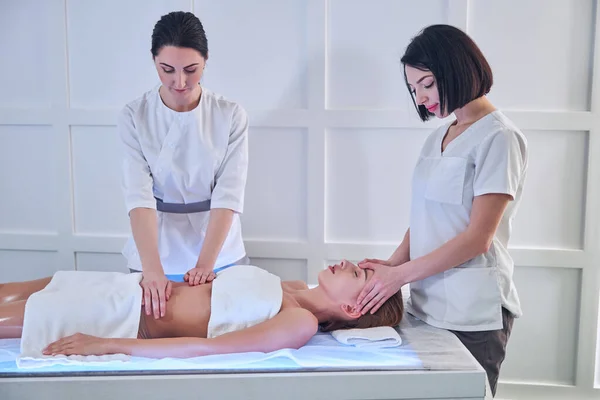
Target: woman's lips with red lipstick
432 108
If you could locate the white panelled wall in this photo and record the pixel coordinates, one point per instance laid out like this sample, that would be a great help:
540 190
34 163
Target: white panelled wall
333 141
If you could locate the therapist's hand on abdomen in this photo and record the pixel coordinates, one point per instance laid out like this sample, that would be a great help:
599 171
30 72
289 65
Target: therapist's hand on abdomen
383 284
199 275
157 290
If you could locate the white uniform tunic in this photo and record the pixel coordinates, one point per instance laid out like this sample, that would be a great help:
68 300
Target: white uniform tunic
488 157
185 157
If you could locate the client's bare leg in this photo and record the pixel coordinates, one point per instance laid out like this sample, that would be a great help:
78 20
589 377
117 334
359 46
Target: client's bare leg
11 319
18 291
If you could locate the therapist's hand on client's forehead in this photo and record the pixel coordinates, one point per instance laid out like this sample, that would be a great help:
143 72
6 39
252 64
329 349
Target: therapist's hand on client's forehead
380 286
368 263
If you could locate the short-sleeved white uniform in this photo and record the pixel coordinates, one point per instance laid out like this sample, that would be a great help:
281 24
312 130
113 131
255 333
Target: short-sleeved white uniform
488 157
185 157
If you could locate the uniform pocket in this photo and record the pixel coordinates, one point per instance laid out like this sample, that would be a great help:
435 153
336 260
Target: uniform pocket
446 181
473 296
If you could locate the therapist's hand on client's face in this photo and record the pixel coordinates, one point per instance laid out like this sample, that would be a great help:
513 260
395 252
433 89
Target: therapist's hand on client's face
382 285
368 261
157 290
199 275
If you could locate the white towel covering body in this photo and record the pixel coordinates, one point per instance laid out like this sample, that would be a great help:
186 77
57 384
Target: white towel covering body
103 304
243 296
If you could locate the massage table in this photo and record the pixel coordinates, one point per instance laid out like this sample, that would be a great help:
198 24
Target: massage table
430 364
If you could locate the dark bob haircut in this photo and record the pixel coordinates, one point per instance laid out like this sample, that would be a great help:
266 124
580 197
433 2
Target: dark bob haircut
179 29
461 71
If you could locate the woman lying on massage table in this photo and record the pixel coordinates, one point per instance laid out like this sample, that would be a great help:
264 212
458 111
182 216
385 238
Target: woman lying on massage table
245 309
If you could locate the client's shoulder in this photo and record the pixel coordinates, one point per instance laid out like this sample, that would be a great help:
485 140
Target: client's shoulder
302 319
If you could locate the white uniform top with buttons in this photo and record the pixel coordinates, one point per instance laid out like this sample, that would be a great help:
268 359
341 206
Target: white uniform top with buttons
488 157
185 157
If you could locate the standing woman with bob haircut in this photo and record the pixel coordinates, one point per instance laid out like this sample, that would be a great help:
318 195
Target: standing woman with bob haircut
466 189
185 168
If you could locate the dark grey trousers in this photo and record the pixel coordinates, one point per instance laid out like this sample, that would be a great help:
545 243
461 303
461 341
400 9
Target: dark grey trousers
489 347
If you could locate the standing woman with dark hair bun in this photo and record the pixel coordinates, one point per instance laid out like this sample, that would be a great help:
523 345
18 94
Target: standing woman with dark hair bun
466 189
185 168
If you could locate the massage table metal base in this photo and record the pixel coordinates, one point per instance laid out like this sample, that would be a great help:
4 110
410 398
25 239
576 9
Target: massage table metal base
405 385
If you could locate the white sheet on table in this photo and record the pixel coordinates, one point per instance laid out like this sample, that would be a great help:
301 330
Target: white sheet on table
423 347
323 351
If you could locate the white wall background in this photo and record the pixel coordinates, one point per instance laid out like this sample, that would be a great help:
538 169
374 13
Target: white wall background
333 140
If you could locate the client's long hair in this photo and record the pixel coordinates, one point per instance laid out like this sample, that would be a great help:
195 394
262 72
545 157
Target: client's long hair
389 314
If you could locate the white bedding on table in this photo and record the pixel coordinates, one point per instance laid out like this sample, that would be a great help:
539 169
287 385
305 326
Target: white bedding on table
423 348
323 351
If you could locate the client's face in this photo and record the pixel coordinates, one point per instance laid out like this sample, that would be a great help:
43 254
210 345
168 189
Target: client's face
344 281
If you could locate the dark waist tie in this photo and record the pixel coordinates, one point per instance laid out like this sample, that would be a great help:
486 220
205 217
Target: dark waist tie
187 208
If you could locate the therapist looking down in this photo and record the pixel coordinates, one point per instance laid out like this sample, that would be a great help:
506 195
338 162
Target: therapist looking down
185 168
466 189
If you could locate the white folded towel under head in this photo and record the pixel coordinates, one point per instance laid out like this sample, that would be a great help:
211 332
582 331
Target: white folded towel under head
377 337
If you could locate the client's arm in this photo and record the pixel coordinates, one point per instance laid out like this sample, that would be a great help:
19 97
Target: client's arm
291 328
